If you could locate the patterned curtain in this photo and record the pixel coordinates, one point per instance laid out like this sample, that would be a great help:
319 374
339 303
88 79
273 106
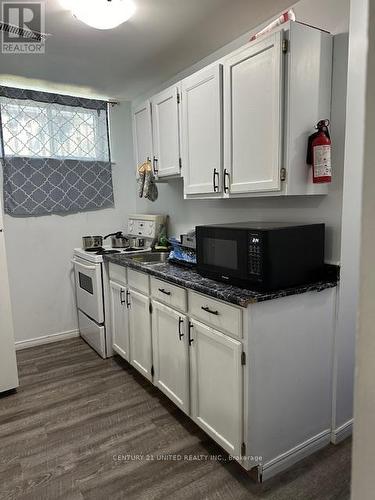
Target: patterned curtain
56 155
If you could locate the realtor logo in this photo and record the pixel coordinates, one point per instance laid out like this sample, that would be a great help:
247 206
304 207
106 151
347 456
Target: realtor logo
22 28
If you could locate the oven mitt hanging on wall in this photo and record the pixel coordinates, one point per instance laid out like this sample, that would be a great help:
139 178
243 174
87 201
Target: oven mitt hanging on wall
147 187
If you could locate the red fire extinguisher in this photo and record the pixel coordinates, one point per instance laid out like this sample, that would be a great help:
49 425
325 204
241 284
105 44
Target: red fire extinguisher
319 153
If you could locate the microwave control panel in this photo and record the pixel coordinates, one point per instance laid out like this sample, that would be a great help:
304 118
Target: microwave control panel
255 263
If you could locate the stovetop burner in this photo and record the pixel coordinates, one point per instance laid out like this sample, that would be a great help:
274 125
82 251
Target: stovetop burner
104 251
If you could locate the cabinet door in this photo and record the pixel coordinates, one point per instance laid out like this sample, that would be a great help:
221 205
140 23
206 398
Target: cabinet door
202 131
142 130
253 97
165 129
216 385
119 320
171 354
140 333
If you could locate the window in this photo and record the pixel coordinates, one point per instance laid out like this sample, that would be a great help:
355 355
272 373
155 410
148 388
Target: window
56 154
41 130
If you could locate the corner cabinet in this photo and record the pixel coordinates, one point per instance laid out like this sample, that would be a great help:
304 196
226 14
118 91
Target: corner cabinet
166 132
253 96
202 123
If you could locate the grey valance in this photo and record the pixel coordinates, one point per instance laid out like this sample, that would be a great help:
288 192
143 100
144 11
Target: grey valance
39 186
67 100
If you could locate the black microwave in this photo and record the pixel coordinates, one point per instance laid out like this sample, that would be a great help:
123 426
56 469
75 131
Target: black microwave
261 255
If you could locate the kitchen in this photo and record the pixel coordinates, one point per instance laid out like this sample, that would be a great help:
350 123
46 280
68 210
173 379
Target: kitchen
312 365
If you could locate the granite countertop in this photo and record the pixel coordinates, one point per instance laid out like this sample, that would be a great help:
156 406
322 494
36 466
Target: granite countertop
189 278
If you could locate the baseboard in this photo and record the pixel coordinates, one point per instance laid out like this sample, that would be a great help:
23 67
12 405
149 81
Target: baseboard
342 432
46 339
294 455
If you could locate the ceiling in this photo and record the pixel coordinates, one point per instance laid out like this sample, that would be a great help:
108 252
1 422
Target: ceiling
161 39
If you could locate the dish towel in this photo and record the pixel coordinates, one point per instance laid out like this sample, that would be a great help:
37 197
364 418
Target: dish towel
147 187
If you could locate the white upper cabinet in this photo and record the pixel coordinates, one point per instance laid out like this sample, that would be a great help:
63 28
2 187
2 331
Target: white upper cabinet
202 131
142 132
166 132
253 100
308 99
245 119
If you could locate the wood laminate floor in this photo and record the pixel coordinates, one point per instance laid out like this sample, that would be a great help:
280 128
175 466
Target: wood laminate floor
81 428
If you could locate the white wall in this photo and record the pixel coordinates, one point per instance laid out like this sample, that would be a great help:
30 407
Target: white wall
351 222
39 249
331 15
363 479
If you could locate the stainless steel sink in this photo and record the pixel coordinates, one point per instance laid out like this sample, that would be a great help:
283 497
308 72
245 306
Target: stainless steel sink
156 257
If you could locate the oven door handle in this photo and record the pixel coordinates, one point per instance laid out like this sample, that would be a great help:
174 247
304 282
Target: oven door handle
90 268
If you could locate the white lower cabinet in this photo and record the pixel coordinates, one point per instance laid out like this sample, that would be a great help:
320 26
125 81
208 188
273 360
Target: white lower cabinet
171 354
196 366
216 385
197 359
140 333
119 319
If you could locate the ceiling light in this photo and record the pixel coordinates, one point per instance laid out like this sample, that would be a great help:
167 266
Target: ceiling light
103 14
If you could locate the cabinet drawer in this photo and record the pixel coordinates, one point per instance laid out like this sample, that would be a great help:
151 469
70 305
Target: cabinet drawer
117 273
224 317
138 281
171 295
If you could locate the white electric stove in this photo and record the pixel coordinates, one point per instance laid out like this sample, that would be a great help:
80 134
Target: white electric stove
91 280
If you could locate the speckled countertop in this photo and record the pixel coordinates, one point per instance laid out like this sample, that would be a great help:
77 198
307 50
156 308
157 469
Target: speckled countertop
189 278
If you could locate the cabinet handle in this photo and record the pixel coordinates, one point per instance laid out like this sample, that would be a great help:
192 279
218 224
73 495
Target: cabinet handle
122 300
207 309
216 186
226 176
166 292
156 170
180 322
190 326
128 304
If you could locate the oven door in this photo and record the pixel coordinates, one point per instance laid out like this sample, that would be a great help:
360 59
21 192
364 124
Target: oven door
222 252
89 288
